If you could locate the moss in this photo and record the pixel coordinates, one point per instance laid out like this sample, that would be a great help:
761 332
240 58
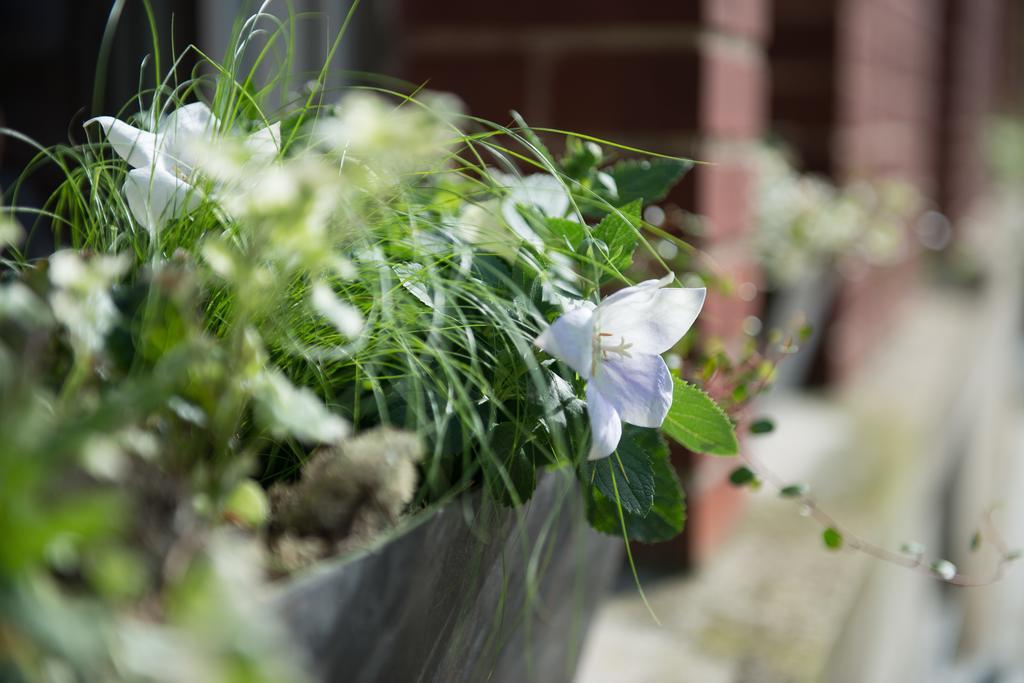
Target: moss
346 494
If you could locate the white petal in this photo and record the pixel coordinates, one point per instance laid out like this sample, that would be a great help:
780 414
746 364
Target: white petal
195 119
155 196
640 388
266 142
518 224
180 129
288 410
570 339
646 285
605 424
345 317
136 146
543 192
480 224
538 191
650 318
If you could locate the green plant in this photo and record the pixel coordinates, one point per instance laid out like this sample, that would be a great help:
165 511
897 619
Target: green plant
244 287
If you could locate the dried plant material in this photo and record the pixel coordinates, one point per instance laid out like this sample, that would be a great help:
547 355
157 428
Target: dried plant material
347 494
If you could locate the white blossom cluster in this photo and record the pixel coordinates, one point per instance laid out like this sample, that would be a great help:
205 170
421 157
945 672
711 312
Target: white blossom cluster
290 204
805 224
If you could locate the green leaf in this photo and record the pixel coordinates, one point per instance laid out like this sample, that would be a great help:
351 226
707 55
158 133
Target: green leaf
832 538
698 423
412 277
762 426
793 491
618 231
741 476
662 522
628 470
513 478
912 548
581 157
532 139
573 232
647 180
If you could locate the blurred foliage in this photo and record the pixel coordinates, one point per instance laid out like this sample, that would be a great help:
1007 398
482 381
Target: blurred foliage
805 224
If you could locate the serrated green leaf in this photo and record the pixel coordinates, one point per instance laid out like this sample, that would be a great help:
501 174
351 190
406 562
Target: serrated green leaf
667 514
647 180
573 232
618 231
832 538
698 423
630 468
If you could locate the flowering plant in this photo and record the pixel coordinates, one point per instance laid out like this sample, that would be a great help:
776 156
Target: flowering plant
303 324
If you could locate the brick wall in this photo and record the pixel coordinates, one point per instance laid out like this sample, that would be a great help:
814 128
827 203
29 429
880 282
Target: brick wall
870 88
858 94
889 97
889 89
804 91
970 78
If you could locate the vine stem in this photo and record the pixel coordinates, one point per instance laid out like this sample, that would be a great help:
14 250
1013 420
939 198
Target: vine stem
913 562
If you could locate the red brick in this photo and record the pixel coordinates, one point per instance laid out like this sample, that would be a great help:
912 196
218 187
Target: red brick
970 84
802 13
733 94
724 196
626 91
723 314
463 12
747 18
490 84
711 514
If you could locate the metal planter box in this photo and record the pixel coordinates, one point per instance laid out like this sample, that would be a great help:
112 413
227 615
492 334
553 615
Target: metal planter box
472 592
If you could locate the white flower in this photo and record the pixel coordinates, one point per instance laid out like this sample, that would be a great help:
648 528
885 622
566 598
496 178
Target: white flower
481 225
345 317
159 188
548 196
539 191
616 347
288 410
81 298
19 302
390 138
10 233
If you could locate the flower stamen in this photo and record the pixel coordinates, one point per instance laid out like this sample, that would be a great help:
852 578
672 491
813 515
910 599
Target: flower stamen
602 349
